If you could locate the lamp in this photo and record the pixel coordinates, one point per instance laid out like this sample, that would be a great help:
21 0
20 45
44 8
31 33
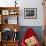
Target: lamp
15 3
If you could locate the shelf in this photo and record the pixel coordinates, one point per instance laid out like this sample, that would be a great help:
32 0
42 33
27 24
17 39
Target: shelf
10 19
10 26
5 12
9 10
11 41
2 8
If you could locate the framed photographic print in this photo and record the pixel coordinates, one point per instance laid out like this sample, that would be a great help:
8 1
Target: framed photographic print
30 13
5 12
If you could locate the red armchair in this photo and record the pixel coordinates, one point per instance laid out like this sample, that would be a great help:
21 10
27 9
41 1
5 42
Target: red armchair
29 34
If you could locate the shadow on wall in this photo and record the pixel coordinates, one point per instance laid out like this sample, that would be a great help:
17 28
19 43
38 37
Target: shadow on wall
37 29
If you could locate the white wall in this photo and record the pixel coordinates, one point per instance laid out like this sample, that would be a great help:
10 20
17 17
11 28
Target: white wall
32 4
27 4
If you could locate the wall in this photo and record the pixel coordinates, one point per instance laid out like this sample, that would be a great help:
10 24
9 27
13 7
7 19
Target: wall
38 23
32 4
27 4
45 13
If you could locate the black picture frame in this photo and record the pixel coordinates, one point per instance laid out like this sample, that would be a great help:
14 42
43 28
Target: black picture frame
30 13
